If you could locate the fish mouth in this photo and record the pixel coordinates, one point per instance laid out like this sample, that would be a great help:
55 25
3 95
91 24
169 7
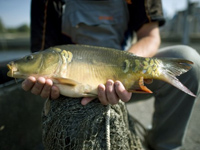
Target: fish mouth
12 69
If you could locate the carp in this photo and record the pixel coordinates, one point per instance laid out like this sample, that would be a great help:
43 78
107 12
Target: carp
77 70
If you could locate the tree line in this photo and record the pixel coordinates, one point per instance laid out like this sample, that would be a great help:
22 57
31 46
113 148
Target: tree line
24 28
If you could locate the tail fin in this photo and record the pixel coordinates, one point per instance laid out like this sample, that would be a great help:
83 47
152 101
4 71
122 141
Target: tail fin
175 67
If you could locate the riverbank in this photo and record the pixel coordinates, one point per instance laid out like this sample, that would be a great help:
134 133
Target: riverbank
14 41
10 41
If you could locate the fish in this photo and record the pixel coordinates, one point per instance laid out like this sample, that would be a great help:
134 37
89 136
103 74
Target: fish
77 70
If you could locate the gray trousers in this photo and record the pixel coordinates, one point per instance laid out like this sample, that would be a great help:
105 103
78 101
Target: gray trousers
172 107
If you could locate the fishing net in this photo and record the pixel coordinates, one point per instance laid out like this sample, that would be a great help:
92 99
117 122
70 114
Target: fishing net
69 125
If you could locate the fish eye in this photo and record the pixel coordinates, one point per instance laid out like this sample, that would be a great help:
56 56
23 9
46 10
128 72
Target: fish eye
30 57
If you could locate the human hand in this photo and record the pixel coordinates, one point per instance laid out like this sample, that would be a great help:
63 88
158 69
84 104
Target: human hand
110 93
41 86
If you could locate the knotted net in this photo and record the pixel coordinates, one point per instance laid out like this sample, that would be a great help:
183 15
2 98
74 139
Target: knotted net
69 125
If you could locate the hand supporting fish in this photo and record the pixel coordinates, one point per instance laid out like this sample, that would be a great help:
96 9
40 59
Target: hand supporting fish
107 94
41 86
110 93
77 70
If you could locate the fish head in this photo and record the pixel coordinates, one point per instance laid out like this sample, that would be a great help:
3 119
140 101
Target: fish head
35 64
25 66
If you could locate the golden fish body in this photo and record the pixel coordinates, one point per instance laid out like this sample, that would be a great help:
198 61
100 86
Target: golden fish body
77 70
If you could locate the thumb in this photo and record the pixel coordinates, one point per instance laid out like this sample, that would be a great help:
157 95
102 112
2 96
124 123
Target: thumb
86 100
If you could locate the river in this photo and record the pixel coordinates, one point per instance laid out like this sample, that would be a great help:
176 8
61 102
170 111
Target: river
12 54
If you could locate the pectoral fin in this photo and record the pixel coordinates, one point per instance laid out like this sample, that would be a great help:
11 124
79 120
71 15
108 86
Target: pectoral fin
66 81
142 88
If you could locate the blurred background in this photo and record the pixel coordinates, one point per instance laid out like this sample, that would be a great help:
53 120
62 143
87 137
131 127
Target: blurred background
20 119
182 26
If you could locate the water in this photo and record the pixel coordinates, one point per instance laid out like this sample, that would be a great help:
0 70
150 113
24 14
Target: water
12 54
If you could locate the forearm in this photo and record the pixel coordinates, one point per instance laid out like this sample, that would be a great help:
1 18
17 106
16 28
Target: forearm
146 47
148 41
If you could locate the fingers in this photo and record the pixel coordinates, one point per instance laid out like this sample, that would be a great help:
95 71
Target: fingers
106 94
102 94
55 93
28 83
41 86
123 94
38 86
112 92
46 90
86 100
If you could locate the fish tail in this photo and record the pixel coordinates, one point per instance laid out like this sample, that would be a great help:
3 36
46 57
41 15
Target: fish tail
171 68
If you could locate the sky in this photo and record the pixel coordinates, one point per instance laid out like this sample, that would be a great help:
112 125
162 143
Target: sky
17 12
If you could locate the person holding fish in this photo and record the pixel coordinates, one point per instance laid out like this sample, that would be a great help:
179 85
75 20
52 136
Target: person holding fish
110 23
